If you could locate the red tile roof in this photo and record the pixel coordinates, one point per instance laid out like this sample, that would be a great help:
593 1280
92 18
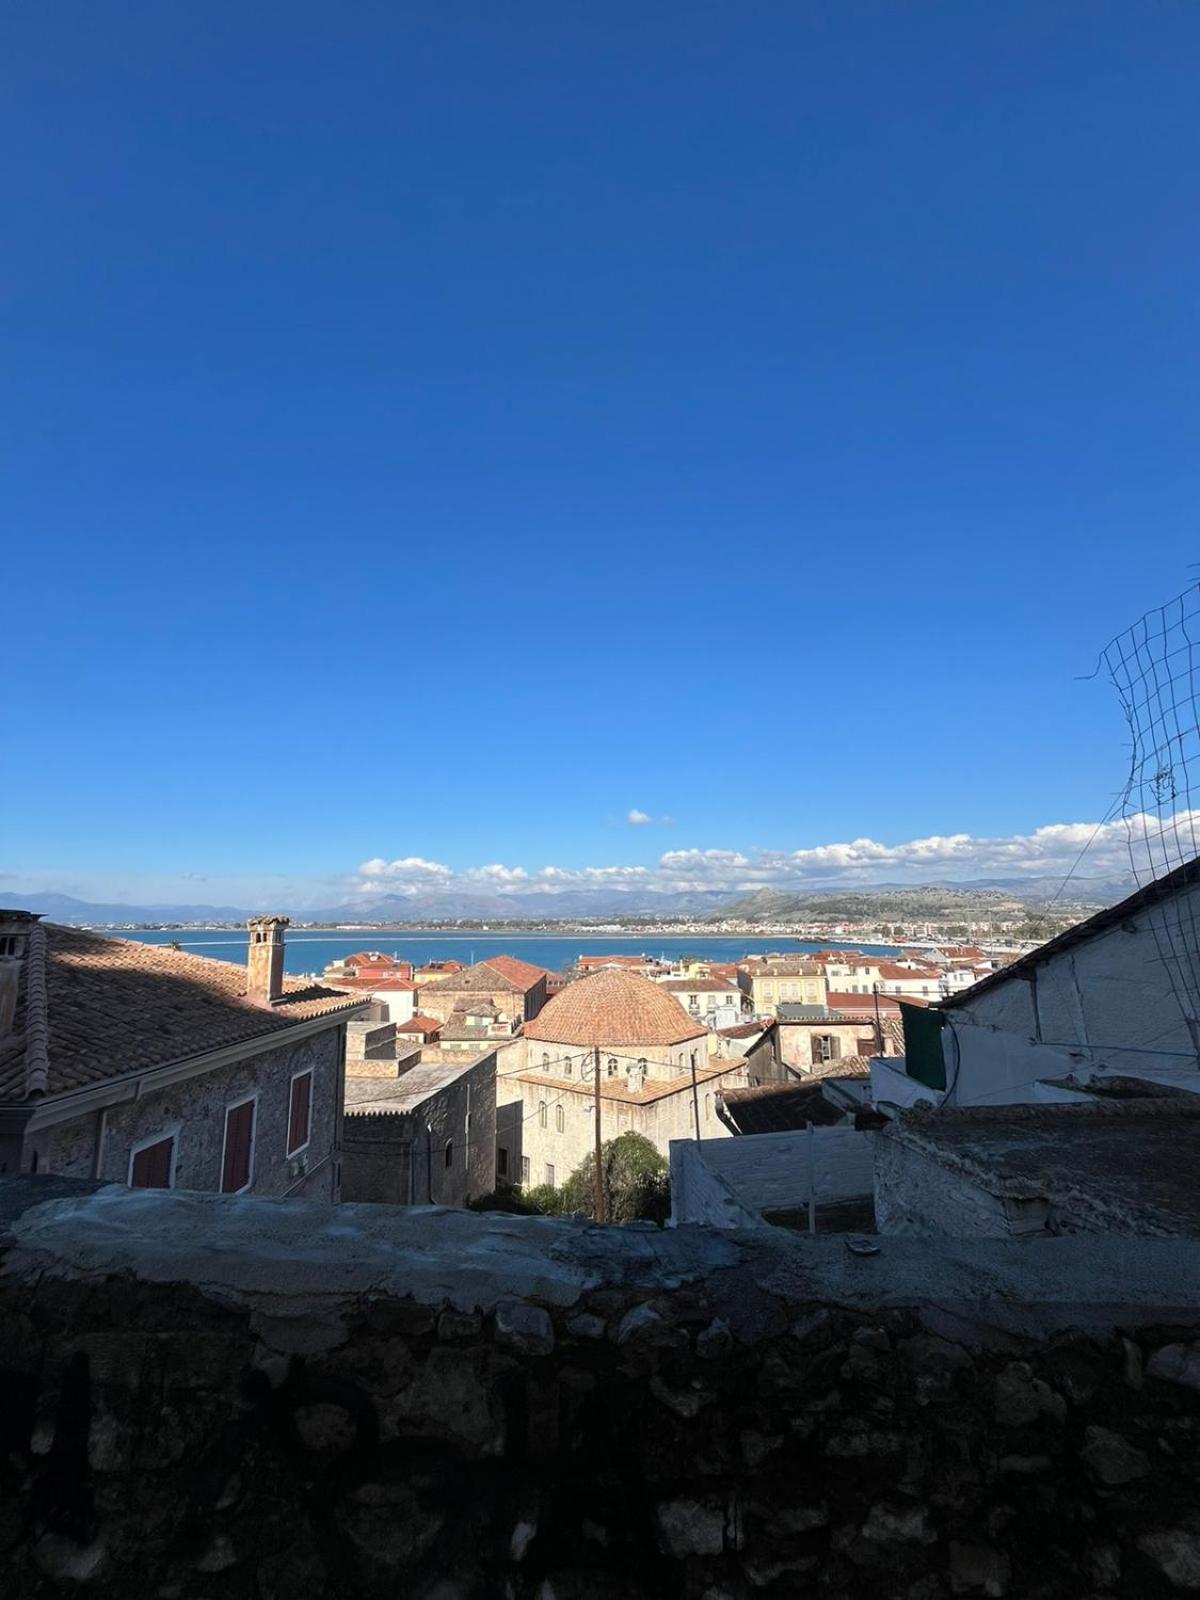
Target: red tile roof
613 1007
93 1008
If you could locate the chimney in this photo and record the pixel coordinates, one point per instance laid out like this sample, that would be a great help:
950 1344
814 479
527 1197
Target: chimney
14 939
264 968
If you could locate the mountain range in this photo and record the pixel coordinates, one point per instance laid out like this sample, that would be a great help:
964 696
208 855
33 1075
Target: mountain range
979 895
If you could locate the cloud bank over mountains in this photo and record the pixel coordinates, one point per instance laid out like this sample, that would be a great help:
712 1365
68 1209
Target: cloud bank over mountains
939 858
413 886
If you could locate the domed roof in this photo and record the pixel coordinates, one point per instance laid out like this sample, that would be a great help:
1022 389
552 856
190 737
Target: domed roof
612 1007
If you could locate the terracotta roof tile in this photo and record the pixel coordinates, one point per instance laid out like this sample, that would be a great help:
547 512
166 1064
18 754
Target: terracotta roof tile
613 1007
94 1008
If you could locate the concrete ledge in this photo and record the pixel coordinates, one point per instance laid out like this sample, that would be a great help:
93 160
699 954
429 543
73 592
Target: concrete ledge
291 1252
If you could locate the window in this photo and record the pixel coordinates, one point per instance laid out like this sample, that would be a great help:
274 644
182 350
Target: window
524 1169
825 1047
642 1065
237 1159
612 1066
152 1166
541 1113
545 1061
449 1153
300 1113
549 1174
501 1162
567 1067
559 1119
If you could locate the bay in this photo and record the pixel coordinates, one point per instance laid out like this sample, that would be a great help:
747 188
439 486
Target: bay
311 952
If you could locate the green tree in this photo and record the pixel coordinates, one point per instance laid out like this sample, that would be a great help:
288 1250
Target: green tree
636 1182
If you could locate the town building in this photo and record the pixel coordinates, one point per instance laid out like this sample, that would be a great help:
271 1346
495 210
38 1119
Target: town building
656 1076
647 966
1115 997
423 1132
717 1002
811 1037
435 971
770 981
516 990
138 1064
756 1043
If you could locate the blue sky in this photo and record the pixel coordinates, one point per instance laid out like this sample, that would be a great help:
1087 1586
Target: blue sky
434 431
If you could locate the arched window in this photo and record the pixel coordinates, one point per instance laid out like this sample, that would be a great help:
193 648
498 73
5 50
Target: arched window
449 1152
642 1065
545 1061
612 1066
567 1067
558 1119
541 1113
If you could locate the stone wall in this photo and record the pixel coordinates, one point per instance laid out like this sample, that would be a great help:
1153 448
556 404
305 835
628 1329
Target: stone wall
193 1110
206 1397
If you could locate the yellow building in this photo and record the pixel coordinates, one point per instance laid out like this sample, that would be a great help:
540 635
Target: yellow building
773 982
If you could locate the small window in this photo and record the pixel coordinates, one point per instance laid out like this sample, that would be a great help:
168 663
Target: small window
152 1167
502 1162
449 1153
300 1113
612 1066
541 1113
550 1174
524 1169
567 1067
237 1164
558 1119
642 1065
545 1061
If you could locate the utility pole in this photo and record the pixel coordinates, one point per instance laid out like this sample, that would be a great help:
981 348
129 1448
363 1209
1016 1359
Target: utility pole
695 1098
599 1163
878 1023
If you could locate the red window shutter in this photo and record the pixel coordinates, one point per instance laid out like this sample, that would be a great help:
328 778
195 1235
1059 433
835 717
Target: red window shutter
151 1167
299 1119
239 1135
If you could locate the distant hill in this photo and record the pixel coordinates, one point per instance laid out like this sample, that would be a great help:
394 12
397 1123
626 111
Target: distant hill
977 900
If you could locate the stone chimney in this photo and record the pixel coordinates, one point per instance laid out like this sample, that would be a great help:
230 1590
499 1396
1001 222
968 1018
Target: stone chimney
14 938
264 969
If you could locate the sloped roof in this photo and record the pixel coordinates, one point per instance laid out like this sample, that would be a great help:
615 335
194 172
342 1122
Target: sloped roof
614 1007
94 1008
497 972
780 1107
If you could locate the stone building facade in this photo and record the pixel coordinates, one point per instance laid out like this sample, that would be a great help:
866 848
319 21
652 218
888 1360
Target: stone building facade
657 1077
423 1136
138 1064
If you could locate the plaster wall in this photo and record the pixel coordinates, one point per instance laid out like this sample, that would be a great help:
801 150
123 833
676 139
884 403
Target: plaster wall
778 1171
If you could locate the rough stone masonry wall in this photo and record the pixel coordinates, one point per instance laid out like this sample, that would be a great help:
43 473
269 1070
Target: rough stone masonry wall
614 1414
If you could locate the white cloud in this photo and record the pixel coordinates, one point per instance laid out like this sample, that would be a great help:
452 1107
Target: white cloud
638 819
1046 852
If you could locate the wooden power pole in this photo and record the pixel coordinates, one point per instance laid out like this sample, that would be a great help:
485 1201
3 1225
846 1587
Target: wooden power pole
600 1207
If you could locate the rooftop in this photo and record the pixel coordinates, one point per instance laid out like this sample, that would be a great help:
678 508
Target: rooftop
780 1107
497 972
614 1007
1128 1166
653 1089
369 1096
94 1008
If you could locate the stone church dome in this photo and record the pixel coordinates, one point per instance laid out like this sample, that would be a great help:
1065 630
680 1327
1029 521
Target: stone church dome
611 1007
